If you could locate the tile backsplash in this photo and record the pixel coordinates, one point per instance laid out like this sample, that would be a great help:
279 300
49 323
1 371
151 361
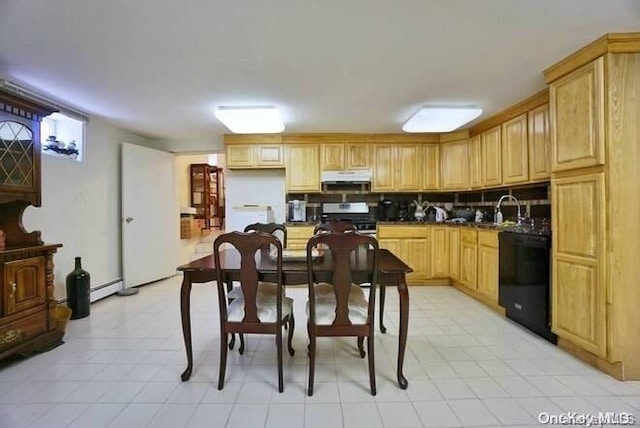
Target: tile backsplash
534 199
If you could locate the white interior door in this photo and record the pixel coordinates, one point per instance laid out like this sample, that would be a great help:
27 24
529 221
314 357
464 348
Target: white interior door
150 215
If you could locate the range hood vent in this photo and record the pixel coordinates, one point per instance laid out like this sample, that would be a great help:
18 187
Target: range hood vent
363 176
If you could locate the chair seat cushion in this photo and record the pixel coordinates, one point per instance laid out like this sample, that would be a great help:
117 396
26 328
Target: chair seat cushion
326 304
263 288
266 305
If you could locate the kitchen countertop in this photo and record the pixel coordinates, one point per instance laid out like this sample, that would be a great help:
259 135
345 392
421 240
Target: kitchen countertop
439 223
504 227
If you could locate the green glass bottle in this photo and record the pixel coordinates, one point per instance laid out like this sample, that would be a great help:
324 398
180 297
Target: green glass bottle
78 291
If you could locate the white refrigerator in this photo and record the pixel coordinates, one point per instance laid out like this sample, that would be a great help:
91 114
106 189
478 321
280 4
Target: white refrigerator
243 215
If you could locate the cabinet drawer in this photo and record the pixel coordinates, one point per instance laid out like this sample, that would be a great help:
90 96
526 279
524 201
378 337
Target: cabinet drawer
299 232
488 238
22 329
469 235
402 232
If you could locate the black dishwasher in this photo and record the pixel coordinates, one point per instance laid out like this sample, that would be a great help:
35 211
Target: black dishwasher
524 280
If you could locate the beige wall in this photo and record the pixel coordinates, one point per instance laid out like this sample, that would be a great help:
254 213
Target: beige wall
81 206
81 203
213 145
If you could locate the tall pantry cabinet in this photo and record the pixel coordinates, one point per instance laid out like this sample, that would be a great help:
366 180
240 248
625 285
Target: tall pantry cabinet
595 134
27 306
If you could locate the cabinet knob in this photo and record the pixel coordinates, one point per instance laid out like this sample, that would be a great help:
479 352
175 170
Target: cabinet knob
128 219
13 288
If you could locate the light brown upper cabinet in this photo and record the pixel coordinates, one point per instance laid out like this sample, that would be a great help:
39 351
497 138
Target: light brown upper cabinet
431 167
577 114
332 157
475 161
491 157
255 156
454 163
240 156
383 168
515 153
302 168
358 156
349 156
397 167
539 143
408 167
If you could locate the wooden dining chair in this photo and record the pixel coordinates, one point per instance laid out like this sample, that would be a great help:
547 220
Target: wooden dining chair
347 226
254 311
335 226
279 231
337 304
276 229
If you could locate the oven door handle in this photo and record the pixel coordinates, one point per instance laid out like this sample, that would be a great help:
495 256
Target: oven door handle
531 243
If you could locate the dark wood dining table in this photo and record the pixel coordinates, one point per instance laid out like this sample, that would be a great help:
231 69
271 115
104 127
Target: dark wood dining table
391 273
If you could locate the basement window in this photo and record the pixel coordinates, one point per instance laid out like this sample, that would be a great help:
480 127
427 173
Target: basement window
62 136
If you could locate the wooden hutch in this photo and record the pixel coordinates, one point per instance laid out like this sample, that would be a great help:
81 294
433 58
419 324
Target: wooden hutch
207 194
27 306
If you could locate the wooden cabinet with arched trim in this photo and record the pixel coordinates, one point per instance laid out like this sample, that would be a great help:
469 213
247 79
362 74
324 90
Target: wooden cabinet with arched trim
27 311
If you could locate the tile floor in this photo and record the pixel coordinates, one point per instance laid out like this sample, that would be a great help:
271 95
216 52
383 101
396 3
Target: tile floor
466 366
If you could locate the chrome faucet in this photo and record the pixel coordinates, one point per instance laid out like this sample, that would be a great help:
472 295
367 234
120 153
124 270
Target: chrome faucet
498 218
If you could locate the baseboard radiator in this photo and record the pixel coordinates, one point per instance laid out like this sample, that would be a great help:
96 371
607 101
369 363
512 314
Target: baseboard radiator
102 291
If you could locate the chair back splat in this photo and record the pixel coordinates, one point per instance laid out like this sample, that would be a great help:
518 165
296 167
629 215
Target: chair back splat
276 229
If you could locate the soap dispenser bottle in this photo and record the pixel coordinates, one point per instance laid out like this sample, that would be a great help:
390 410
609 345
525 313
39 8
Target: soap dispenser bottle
479 216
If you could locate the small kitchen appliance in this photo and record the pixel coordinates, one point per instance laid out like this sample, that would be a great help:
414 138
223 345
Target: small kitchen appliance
441 214
297 210
387 210
403 211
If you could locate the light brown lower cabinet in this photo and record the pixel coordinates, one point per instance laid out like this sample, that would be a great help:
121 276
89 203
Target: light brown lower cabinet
411 244
469 258
488 264
454 253
298 236
440 251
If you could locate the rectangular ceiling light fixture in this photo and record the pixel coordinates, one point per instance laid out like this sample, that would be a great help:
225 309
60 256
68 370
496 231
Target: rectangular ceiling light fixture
440 119
250 119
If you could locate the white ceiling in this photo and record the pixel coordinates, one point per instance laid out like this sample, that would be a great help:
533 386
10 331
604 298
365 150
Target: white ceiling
159 68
